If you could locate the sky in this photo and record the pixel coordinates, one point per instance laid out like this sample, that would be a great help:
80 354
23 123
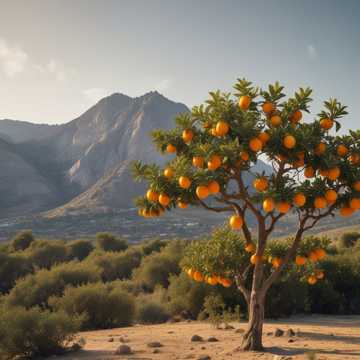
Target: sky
58 57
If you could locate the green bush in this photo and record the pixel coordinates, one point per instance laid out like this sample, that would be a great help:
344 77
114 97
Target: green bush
108 242
150 246
79 249
151 313
100 306
349 239
36 289
33 333
22 240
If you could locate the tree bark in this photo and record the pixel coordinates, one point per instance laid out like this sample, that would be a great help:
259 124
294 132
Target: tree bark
252 339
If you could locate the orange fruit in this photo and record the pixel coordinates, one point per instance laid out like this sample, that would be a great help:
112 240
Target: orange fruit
261 184
356 185
300 199
190 272
264 137
268 107
244 155
244 102
226 283
355 203
320 202
255 259
222 128
324 172
319 274
354 159
300 260
331 195
296 116
202 192
320 253
312 280
198 276
171 148
164 200
342 150
213 132
255 145
313 256
309 172
326 124
283 207
236 222
152 195
214 162
198 161
169 173
268 205
334 173
276 262
275 120
346 211
289 142
320 149
211 280
187 135
184 182
250 248
298 163
182 204
213 187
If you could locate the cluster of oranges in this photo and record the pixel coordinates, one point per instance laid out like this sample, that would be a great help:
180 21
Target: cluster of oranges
315 276
211 280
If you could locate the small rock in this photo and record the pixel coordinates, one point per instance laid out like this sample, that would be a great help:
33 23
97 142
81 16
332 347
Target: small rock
189 356
156 351
123 340
123 350
154 344
170 332
290 333
278 332
203 348
195 338
270 333
291 340
225 326
111 340
212 339
204 357
239 331
331 334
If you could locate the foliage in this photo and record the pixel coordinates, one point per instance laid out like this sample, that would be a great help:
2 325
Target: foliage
151 313
79 249
22 240
108 242
349 239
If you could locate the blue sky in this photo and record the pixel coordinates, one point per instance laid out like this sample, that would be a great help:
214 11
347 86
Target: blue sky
58 57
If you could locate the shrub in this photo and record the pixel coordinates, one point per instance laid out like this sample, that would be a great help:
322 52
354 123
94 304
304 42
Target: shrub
349 239
151 246
36 289
22 240
33 333
100 306
109 242
151 313
79 249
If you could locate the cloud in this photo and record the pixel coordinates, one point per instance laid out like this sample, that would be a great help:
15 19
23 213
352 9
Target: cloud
163 85
312 52
57 69
13 59
95 94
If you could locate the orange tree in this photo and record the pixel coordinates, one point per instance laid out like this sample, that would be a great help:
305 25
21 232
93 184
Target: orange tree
315 173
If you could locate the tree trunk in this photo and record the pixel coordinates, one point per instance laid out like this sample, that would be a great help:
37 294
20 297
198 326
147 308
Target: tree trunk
252 339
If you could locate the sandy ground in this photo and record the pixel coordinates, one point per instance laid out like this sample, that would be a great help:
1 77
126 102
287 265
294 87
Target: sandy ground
330 337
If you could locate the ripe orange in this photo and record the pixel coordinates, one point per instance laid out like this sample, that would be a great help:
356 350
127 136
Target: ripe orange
355 203
319 274
268 205
313 256
198 276
320 202
236 222
244 102
283 207
222 128
300 260
268 107
226 283
334 173
326 124
244 155
342 150
276 262
211 280
152 195
190 272
324 172
354 159
275 120
300 199
182 204
331 195
250 248
164 200
357 185
214 162
264 137
320 253
169 173
312 280
309 172
297 116
289 142
187 135
171 148
255 145
184 182
213 187
198 161
346 211
213 132
261 184
202 192
320 149
255 259
298 163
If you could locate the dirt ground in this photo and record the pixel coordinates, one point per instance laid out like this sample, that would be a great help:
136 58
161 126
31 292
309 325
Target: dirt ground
330 337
